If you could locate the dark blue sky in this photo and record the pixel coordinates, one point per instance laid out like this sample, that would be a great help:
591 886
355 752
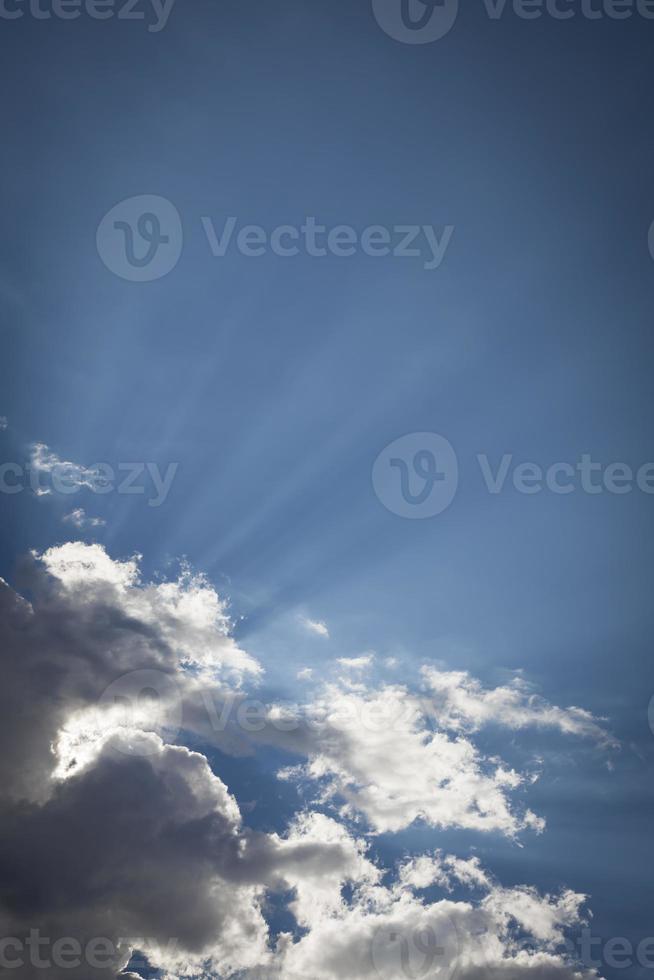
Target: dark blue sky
275 382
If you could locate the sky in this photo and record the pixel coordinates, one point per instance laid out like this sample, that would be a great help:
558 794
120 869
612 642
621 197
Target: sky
352 315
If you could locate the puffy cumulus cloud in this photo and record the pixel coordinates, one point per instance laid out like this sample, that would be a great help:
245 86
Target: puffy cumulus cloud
389 932
187 614
113 841
318 885
148 853
144 847
89 621
374 750
526 966
389 755
426 870
545 920
84 569
460 703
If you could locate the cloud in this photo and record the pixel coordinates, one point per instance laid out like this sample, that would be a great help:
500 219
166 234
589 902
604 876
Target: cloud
436 869
4 422
395 757
108 831
384 755
388 932
71 475
356 663
314 626
90 621
78 519
373 753
185 615
134 847
460 703
150 853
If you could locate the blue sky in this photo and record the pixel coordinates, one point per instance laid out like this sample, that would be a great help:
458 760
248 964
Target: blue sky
275 382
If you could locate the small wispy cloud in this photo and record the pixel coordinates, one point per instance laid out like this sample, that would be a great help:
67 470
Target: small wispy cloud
305 674
316 626
78 518
461 703
4 422
43 460
356 663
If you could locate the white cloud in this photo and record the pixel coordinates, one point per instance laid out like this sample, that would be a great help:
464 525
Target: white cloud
460 703
381 755
4 422
305 674
324 858
82 569
186 613
438 869
79 519
72 475
314 626
356 663
372 751
388 932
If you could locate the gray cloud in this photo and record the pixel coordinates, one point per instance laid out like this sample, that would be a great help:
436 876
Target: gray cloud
110 835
